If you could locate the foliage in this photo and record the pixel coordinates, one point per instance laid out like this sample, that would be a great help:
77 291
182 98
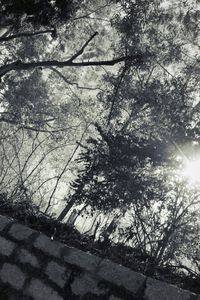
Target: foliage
127 172
164 83
27 101
38 13
162 231
116 171
27 213
128 66
18 208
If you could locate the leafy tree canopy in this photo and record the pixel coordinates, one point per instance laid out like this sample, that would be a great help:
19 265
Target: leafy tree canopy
119 77
37 13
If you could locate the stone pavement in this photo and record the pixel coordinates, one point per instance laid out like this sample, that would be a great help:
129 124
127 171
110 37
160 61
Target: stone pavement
32 266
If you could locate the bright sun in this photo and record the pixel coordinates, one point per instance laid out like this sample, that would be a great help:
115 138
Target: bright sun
192 170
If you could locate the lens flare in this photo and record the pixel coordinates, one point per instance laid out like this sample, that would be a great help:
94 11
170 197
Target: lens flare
192 171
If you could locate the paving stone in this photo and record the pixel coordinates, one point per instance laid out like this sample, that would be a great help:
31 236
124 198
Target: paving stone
25 256
94 269
156 290
48 246
13 275
20 232
81 259
4 222
40 291
6 246
121 276
57 273
114 298
85 284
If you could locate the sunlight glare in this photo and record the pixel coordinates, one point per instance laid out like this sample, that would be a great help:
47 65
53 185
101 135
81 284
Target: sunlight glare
192 171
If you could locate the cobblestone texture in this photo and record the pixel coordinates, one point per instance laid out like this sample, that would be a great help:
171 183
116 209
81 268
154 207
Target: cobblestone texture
20 232
85 284
4 222
157 290
6 246
114 298
26 257
48 270
81 259
121 276
13 275
48 246
40 291
57 273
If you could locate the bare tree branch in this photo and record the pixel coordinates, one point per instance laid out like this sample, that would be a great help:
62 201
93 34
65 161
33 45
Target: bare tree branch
80 52
13 122
64 169
20 66
115 93
74 83
25 34
92 12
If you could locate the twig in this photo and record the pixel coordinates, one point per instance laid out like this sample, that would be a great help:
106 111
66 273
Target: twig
64 169
115 94
25 34
74 83
80 52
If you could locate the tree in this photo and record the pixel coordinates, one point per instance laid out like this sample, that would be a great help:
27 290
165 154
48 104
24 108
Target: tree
29 105
116 170
168 71
37 13
124 173
139 86
163 232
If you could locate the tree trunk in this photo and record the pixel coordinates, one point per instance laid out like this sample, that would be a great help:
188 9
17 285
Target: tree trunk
65 211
